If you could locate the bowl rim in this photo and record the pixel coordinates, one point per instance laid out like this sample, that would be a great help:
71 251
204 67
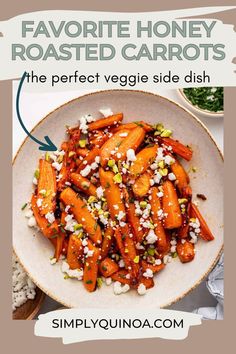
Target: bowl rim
207 113
196 119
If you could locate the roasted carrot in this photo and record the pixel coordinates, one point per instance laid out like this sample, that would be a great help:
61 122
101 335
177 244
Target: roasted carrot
132 254
185 251
82 152
147 127
47 187
154 267
88 159
112 194
60 238
82 215
105 122
107 241
182 178
91 268
111 144
83 184
178 148
170 205
75 252
123 276
147 282
98 138
119 240
48 230
132 141
143 160
205 233
162 242
142 185
108 267
133 219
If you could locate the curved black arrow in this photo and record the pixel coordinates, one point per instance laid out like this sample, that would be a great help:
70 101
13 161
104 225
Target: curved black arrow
48 146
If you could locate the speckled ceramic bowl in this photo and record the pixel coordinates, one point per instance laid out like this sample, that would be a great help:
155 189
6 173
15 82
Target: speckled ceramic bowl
34 251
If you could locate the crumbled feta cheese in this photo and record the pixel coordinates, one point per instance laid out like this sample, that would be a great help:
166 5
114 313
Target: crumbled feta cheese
32 222
106 112
99 192
94 166
57 166
148 273
39 202
29 213
50 217
131 155
84 242
142 289
123 135
35 181
108 281
119 289
120 215
154 166
53 261
67 183
116 207
118 155
171 176
158 262
151 237
160 194
157 177
86 171
67 208
97 159
169 160
121 263
84 120
72 273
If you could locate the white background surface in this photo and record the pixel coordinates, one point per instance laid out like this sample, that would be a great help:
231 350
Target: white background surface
34 107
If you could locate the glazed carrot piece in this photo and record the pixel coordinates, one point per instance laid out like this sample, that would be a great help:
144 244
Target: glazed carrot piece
47 187
182 178
107 241
154 267
178 148
185 251
163 242
82 215
82 152
88 159
111 144
119 240
75 252
91 268
98 138
112 194
142 185
134 221
106 122
205 233
48 230
60 238
147 127
64 145
107 267
170 206
83 184
132 254
147 282
143 160
132 141
123 276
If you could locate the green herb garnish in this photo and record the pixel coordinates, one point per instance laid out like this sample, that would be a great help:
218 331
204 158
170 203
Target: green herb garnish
207 98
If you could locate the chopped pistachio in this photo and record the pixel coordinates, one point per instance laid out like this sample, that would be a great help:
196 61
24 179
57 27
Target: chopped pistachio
126 250
115 169
182 200
192 220
117 178
166 133
163 171
36 173
47 156
126 166
92 199
106 214
82 143
85 185
194 169
136 259
111 163
66 276
174 255
24 206
159 127
161 164
143 204
77 227
99 282
71 153
151 251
